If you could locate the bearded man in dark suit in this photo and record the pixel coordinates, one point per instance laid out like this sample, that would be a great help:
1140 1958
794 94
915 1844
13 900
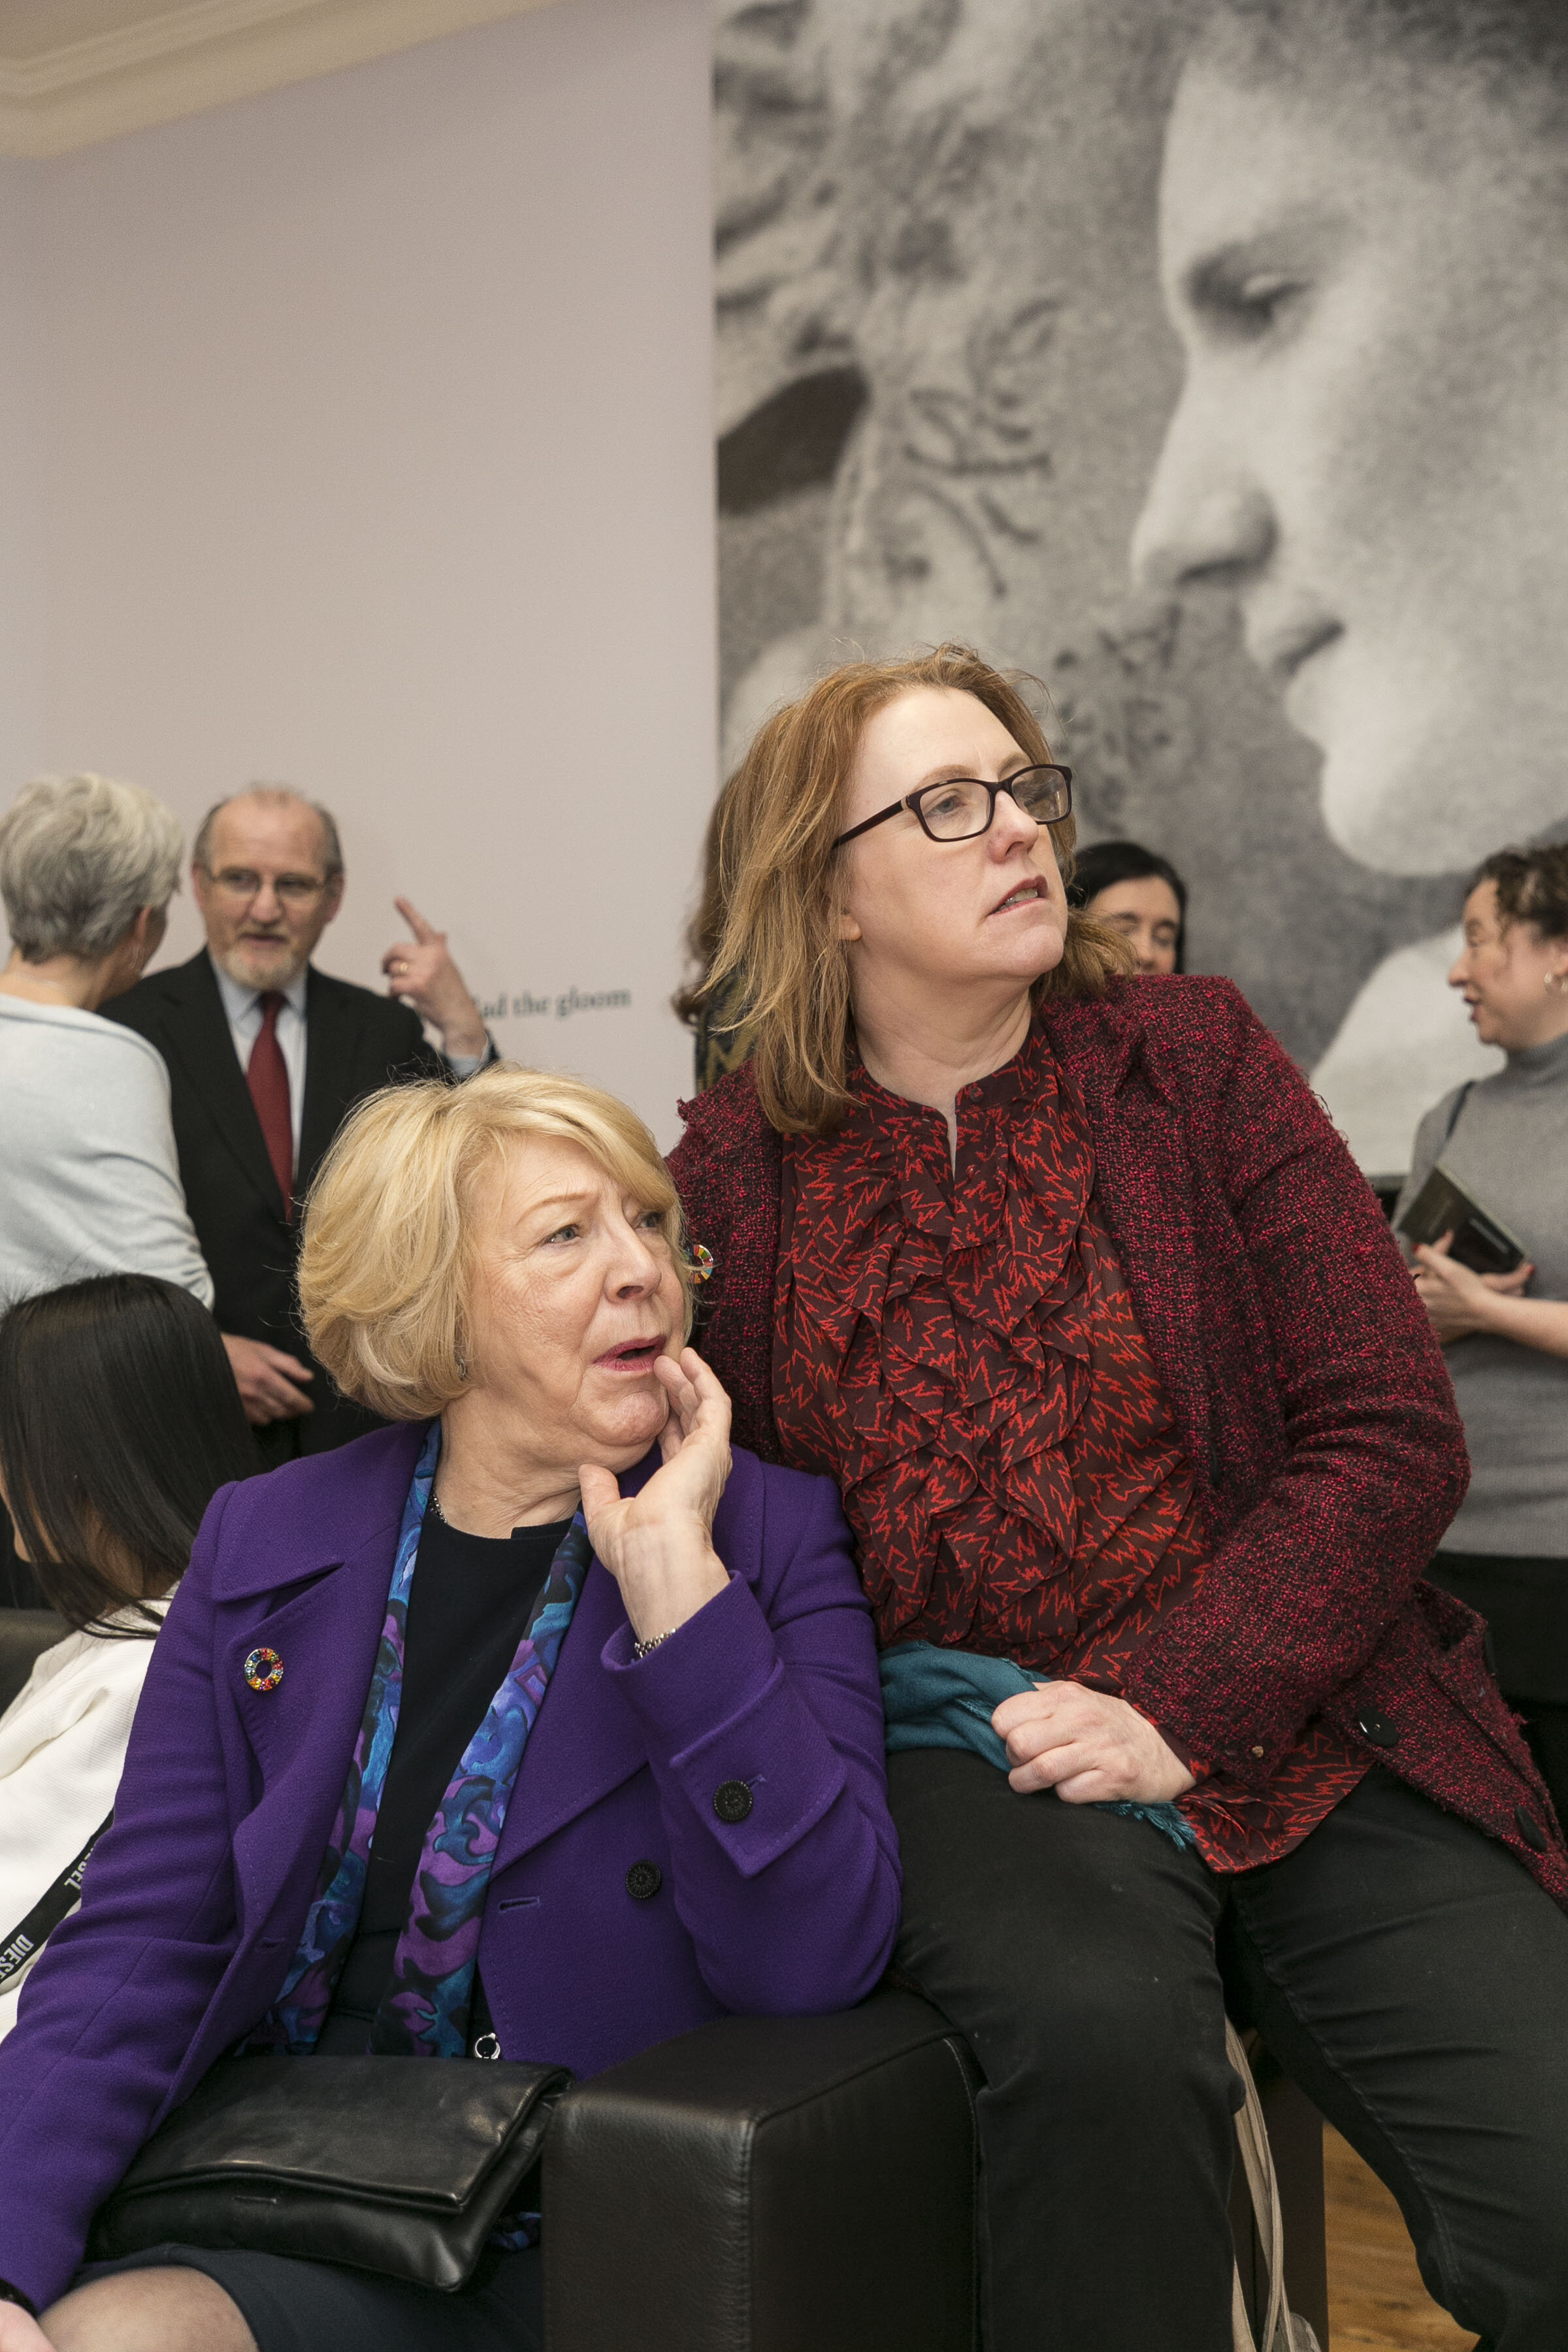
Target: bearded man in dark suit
265 1056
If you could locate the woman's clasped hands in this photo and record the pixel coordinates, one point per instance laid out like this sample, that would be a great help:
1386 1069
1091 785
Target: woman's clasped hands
1458 1300
658 1544
1089 1747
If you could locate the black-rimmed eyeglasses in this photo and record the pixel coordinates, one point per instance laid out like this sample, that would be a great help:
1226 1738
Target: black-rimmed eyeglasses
965 806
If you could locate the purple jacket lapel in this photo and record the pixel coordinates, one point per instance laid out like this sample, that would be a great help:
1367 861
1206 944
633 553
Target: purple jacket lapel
327 1583
315 1593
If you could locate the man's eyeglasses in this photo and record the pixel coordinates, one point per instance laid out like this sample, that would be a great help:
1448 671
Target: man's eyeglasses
964 806
239 882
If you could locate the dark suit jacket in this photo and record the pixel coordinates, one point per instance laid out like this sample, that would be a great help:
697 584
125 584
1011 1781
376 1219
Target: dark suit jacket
355 1042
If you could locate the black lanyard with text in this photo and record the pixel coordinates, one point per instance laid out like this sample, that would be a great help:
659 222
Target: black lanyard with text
47 1912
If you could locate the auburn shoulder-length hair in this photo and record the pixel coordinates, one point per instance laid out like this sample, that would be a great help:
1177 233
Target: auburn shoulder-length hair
780 930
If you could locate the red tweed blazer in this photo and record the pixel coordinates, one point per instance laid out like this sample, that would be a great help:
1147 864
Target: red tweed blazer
1302 1374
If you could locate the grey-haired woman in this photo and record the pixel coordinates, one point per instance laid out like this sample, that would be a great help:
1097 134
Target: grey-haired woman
89 1178
89 1182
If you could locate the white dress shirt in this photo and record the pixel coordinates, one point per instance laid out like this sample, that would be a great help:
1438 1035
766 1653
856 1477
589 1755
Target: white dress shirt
243 1007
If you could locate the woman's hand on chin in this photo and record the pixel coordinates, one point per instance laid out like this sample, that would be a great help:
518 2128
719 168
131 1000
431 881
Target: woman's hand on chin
1087 1746
658 1545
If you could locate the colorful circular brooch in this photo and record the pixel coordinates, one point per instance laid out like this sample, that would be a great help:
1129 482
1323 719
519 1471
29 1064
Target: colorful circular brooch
702 1262
264 1670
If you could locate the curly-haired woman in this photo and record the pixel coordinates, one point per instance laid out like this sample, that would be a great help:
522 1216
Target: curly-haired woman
1506 1335
1070 1284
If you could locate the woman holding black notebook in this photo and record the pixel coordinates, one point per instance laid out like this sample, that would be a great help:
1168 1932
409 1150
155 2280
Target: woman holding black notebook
1503 1141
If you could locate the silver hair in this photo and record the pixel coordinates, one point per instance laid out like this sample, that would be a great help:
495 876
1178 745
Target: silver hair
79 858
272 796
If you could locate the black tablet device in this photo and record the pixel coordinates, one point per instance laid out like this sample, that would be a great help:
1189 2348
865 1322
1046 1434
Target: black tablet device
1481 1241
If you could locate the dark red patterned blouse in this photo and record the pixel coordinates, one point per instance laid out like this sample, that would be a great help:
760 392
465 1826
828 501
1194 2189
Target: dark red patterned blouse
959 1351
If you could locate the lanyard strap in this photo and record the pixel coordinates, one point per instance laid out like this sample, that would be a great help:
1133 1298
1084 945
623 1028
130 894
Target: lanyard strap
47 1912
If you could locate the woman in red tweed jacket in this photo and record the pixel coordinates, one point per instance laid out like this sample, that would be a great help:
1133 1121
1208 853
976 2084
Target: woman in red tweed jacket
1067 1281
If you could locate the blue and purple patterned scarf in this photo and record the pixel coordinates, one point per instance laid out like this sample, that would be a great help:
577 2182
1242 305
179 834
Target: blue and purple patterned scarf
425 2011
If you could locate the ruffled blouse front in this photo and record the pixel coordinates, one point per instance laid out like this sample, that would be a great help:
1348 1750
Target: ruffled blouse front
957 1346
958 1349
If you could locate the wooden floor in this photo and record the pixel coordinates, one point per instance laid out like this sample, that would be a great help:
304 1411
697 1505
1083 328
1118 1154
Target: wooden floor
1376 2300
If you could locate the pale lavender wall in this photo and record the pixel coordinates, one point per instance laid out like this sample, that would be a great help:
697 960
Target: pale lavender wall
22 542
379 459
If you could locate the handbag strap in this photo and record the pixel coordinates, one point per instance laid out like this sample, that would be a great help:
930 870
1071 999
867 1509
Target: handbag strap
47 1912
1460 1101
1257 2163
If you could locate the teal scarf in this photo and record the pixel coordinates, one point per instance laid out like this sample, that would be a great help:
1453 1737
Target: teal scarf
944 1698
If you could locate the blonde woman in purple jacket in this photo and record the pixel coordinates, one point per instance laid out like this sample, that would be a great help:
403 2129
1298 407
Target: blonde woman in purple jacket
660 1651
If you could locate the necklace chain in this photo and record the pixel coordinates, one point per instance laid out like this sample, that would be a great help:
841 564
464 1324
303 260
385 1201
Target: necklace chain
440 1513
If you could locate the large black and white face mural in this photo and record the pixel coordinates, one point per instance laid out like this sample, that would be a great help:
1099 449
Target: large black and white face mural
1212 364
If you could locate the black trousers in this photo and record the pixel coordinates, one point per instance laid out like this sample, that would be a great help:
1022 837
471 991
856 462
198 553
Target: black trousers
1405 1971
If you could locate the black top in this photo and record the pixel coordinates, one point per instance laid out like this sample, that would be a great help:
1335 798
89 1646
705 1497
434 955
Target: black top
468 1608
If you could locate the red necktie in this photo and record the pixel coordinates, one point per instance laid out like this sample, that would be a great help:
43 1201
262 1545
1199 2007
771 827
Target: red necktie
266 1074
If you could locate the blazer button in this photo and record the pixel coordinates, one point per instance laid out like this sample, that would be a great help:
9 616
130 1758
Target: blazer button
1530 1830
732 1801
644 1880
1374 1726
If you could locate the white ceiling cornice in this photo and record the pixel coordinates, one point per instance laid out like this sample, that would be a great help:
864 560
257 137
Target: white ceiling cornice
173 61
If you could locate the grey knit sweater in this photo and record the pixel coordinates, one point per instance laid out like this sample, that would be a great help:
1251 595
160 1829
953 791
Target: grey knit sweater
1509 1151
89 1181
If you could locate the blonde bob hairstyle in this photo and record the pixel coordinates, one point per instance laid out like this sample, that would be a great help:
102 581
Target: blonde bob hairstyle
392 1230
781 933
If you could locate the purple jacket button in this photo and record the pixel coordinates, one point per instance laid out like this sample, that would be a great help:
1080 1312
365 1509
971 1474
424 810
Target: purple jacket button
732 1801
644 1880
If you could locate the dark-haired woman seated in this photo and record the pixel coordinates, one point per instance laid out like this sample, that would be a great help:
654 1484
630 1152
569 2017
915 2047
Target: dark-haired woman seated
449 1746
1070 1284
119 1422
1135 892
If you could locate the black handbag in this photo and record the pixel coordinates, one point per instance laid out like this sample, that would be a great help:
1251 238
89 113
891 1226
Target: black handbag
398 2165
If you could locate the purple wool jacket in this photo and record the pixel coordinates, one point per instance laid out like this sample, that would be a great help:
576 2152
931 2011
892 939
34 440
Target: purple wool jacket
195 1899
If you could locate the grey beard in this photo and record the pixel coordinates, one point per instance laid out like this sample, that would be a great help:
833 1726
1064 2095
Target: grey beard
242 978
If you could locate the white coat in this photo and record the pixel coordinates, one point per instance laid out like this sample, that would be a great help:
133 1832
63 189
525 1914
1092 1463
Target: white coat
62 1744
